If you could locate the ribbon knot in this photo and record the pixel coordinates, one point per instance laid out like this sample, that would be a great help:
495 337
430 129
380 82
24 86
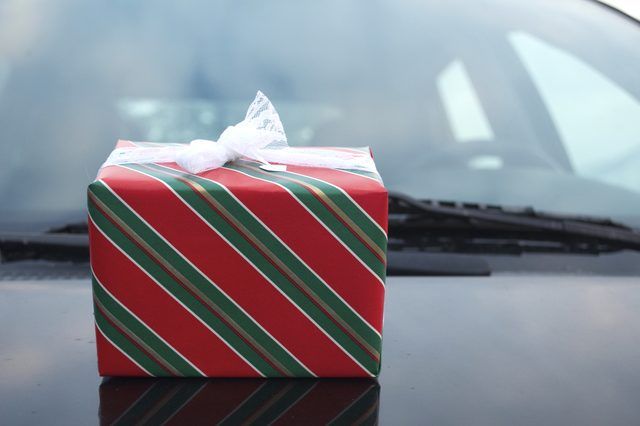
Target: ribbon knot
259 137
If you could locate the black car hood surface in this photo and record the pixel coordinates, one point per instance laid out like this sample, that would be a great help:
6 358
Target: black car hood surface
506 349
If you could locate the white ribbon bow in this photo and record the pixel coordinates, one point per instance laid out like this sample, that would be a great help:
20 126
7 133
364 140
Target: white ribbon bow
260 137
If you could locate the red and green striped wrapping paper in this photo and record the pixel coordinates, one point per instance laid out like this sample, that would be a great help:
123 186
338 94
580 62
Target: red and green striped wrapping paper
238 271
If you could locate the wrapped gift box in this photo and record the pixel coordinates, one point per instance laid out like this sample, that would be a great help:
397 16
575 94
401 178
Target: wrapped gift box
237 271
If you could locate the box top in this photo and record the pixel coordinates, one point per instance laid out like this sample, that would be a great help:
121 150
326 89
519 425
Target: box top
245 176
346 179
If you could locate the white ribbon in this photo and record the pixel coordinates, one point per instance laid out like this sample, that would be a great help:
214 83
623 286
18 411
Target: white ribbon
260 137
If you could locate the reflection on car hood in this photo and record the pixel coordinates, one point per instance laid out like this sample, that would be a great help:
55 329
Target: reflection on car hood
456 350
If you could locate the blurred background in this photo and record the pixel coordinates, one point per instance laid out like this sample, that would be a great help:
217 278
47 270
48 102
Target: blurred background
501 103
491 101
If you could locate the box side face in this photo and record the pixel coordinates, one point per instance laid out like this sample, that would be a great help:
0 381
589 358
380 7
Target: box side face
237 272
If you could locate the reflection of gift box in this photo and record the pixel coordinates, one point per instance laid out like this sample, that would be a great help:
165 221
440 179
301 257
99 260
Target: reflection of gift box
228 401
238 271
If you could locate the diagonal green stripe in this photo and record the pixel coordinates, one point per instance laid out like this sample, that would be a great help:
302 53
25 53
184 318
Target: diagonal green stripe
170 356
343 233
122 342
201 284
316 287
268 269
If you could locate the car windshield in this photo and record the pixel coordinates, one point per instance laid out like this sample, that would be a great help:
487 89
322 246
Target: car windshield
493 101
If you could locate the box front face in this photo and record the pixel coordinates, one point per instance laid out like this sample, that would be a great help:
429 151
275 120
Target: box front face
237 272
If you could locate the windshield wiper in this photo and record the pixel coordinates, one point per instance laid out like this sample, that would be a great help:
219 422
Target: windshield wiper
426 226
64 243
439 226
81 227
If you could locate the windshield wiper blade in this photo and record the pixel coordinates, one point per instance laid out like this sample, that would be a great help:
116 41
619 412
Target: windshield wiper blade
80 227
478 228
44 246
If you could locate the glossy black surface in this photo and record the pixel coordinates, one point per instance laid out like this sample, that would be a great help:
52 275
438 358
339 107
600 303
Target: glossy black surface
507 349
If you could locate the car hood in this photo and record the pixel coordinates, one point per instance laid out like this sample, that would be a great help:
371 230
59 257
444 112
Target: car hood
501 349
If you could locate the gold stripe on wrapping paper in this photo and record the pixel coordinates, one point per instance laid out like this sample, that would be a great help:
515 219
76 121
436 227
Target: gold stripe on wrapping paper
157 357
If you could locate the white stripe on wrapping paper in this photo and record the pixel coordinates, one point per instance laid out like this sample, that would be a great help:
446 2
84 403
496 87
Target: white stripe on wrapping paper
346 195
174 297
362 176
122 351
145 324
289 249
261 273
202 273
317 220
